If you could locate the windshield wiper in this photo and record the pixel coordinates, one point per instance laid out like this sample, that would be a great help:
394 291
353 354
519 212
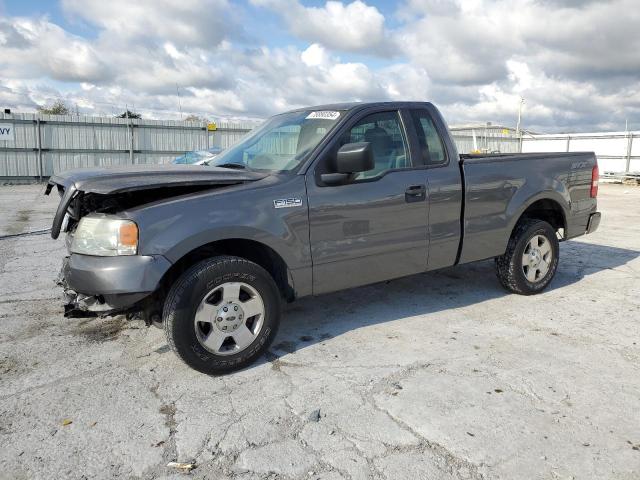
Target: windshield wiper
237 166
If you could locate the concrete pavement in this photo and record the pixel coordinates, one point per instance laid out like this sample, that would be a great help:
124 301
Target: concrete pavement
435 376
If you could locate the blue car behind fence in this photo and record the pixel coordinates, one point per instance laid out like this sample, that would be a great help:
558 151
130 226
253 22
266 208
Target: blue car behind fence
197 157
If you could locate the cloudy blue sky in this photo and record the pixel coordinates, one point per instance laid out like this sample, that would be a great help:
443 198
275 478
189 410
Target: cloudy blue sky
575 62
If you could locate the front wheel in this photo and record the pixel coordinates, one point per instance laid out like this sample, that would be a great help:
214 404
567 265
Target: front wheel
222 314
531 259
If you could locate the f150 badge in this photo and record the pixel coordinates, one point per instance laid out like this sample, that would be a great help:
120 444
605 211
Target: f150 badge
287 202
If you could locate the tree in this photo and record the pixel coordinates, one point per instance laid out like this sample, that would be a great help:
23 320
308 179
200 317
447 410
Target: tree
57 108
129 114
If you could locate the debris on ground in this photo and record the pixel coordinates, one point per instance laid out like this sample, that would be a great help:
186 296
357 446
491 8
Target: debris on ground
185 467
314 416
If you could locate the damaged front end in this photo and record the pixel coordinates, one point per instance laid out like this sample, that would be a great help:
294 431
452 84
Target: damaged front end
101 281
112 190
81 305
77 305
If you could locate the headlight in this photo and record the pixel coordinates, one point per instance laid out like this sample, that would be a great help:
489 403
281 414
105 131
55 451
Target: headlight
105 237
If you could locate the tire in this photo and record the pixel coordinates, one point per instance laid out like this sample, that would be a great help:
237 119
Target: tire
527 275
201 293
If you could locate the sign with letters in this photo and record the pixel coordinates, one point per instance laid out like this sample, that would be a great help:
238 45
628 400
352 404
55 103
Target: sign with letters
6 131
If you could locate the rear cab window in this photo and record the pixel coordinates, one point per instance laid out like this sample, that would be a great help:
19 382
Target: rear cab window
432 150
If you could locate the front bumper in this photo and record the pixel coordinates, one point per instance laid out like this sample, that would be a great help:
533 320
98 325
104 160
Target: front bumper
594 222
109 285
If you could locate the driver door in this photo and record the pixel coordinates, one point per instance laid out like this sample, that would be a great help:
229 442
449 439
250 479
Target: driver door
373 228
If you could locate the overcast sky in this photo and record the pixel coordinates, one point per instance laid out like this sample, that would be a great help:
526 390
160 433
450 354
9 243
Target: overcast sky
576 63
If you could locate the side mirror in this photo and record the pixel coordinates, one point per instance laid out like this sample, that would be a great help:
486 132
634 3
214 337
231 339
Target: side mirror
351 158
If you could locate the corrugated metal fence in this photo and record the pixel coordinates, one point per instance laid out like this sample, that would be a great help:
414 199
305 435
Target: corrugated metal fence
617 152
488 138
45 144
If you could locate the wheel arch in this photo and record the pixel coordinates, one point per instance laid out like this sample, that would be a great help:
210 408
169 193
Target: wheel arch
546 206
249 249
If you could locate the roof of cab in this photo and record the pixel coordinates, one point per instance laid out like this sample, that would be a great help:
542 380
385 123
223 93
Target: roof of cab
360 105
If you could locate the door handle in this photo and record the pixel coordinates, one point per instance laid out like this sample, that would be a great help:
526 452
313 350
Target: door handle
415 193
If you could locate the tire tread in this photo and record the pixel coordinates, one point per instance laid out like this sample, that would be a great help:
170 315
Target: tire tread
507 265
189 277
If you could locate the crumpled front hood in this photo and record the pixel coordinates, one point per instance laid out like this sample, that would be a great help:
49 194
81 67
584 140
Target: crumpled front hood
141 177
151 182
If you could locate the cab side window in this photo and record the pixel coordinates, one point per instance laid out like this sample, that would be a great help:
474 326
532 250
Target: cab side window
431 146
384 132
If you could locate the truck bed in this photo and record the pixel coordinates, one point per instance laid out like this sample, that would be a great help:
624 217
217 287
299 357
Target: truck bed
498 188
468 158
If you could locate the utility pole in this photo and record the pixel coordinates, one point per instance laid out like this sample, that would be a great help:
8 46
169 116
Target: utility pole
130 128
519 115
39 138
179 103
629 135
486 137
518 125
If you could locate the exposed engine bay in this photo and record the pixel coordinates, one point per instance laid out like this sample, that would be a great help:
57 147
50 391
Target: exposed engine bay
115 190
110 190
82 203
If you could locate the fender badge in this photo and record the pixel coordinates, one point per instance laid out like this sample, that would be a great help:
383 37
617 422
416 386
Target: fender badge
287 202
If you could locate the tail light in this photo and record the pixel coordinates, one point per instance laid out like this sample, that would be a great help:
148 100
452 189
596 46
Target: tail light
595 175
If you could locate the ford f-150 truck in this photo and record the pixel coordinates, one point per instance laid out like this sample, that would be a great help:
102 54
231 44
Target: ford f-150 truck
315 200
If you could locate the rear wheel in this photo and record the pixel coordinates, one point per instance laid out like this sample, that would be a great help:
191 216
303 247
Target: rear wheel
531 259
222 314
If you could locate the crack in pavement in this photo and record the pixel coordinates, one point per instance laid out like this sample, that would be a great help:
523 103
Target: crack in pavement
170 450
453 463
57 381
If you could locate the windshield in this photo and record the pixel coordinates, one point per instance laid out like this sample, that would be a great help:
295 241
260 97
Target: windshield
282 143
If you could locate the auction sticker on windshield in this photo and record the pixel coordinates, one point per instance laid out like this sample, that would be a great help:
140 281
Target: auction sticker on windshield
325 114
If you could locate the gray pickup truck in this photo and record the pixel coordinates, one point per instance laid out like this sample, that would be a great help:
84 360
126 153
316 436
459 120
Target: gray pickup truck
316 200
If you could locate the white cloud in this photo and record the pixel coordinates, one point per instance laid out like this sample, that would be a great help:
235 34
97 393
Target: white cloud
471 41
353 27
31 47
406 82
551 103
315 55
575 62
203 23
